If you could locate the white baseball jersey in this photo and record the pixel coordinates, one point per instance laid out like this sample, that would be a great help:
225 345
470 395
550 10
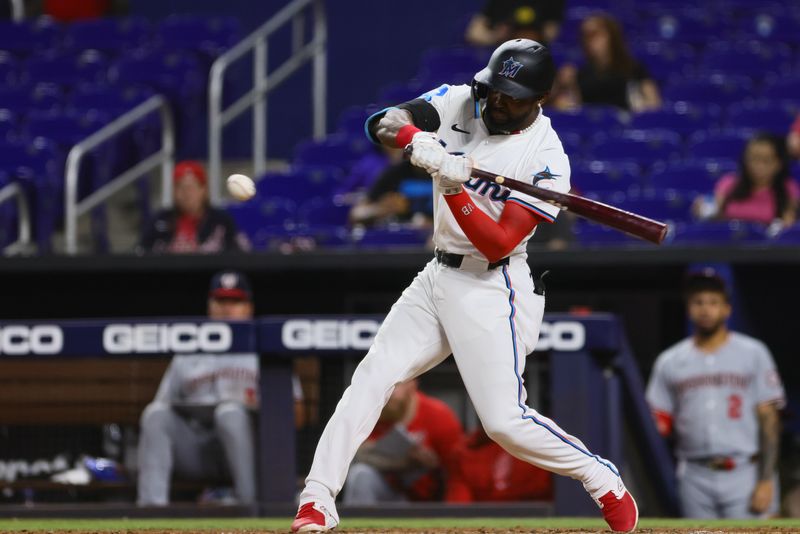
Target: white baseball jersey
535 156
713 397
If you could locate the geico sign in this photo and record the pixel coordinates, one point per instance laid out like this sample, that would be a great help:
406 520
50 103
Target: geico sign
166 338
40 339
563 335
302 334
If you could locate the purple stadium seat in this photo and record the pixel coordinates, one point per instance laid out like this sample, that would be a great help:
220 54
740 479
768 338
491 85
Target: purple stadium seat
39 96
768 26
727 146
682 118
171 69
108 33
9 68
790 236
590 234
9 121
115 100
351 121
336 150
586 120
573 144
673 26
697 176
399 92
665 60
393 237
27 36
65 129
252 216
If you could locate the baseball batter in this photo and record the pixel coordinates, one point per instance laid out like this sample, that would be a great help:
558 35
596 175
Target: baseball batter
476 299
719 392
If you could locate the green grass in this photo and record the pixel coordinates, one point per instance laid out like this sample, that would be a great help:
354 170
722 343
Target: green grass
227 524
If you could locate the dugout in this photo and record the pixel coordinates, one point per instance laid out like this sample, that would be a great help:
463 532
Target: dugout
583 376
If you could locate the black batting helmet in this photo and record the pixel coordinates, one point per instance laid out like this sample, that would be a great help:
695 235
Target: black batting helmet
520 68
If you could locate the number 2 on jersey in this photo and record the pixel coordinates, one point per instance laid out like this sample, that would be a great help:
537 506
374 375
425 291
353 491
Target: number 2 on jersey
735 407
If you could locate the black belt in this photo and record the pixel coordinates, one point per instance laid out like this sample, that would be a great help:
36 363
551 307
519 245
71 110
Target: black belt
454 260
723 463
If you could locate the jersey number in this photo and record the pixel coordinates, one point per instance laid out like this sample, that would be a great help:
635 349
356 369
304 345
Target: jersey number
735 407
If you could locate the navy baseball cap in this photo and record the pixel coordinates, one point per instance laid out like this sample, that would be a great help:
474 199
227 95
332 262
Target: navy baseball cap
230 285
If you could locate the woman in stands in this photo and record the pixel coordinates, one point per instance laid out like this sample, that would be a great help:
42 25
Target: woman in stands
762 190
609 75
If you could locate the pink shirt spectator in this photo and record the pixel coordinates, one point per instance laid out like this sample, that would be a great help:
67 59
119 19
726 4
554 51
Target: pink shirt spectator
759 207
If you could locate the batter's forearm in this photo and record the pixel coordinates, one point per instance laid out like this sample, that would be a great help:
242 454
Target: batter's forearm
770 431
390 124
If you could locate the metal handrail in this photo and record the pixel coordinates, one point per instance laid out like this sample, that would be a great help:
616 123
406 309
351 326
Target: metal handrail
164 158
23 242
263 83
17 10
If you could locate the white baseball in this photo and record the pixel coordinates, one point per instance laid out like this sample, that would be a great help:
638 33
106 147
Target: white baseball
241 187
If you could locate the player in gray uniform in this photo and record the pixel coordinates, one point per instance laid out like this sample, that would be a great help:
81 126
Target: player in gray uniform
719 393
200 423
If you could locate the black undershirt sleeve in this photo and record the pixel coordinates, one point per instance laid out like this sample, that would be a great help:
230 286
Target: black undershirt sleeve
423 115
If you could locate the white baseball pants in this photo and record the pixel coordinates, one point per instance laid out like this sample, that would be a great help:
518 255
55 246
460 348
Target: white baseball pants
490 321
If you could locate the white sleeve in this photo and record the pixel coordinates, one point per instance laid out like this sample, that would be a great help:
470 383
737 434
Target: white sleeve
548 170
769 387
439 98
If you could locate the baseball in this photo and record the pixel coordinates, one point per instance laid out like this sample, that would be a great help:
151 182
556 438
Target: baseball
241 187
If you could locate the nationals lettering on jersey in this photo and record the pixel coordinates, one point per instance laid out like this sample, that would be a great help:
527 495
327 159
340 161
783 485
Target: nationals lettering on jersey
713 397
534 156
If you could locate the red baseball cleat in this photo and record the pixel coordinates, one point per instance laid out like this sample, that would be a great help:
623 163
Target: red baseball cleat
621 513
313 517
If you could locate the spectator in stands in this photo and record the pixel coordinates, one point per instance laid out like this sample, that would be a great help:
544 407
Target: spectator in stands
201 423
793 139
192 226
719 392
410 453
610 74
402 193
502 20
761 191
486 472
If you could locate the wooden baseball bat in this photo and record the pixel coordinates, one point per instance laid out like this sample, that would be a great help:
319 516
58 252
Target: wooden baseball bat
625 221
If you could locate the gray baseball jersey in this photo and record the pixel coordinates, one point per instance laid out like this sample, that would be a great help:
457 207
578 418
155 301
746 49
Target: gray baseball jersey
712 397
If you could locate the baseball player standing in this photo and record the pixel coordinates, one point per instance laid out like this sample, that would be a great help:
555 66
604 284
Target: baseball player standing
476 298
718 391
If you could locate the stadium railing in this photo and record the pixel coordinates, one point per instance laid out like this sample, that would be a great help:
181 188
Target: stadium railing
264 82
163 158
23 242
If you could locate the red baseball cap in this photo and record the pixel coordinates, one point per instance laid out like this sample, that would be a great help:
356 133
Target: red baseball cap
188 168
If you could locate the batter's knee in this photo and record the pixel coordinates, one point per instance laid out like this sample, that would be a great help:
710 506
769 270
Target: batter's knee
501 430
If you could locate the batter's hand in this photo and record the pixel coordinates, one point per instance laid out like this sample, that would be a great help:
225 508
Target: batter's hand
762 496
427 153
454 171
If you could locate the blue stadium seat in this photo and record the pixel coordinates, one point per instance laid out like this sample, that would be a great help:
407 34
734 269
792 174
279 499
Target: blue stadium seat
586 120
693 176
782 89
399 92
703 233
299 184
708 89
605 176
682 118
88 67
768 26
212 35
27 36
660 204
9 68
765 115
336 150
748 58
320 212
644 151
8 124
39 96
442 65
108 34
351 121
673 27
393 237
665 60
790 236
265 212
591 234
115 100
727 146
65 129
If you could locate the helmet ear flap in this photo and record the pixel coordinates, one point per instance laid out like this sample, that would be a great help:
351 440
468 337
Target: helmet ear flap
479 90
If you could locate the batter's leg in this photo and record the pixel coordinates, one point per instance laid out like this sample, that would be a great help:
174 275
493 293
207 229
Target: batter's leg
233 426
167 444
492 326
696 491
409 342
